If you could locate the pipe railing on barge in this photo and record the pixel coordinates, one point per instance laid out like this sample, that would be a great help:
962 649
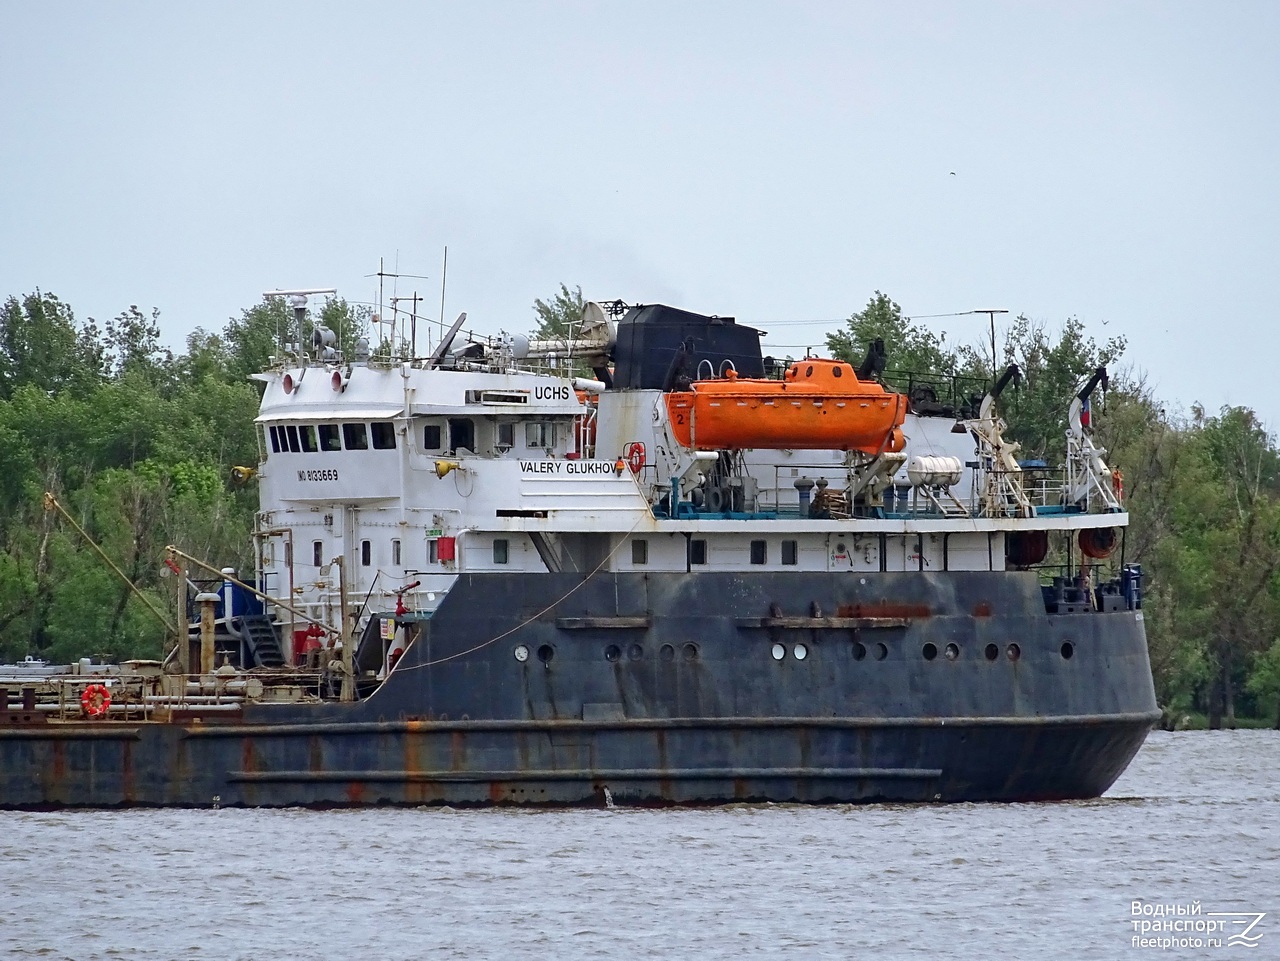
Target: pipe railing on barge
141 696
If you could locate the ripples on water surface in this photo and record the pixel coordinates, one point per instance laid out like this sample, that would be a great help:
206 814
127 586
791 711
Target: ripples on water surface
1196 817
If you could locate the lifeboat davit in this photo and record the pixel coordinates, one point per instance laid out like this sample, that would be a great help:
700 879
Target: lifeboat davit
818 405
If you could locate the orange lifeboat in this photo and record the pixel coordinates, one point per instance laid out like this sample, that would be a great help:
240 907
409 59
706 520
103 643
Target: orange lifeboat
818 405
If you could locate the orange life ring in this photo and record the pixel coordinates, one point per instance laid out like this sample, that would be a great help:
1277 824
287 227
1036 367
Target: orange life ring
95 700
634 453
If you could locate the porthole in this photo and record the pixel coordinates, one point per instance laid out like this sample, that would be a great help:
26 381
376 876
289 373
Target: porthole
859 651
1068 649
635 652
991 652
521 653
612 652
1014 652
951 652
778 651
691 651
545 653
882 651
800 652
929 652
666 653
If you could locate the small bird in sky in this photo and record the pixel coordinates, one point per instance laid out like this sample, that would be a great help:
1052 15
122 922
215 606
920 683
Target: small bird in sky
953 173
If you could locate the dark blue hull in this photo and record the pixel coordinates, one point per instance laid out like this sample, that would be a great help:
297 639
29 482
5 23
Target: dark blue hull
664 688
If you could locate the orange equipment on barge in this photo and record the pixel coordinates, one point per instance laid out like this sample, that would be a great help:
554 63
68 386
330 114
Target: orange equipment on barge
818 405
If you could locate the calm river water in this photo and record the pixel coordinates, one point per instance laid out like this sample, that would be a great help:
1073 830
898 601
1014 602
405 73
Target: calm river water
1195 819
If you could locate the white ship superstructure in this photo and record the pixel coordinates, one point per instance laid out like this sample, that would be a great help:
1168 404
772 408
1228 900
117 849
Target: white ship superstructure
385 480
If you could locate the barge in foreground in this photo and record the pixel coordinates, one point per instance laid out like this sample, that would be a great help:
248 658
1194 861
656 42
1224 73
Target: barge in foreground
554 590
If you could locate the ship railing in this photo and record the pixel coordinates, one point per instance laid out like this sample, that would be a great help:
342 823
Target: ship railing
897 500
322 602
1048 489
783 499
138 696
1043 488
938 393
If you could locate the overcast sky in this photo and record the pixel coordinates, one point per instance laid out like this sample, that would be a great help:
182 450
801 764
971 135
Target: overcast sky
1115 162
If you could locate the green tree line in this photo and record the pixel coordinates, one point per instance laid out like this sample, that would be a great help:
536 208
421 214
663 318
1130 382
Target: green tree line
138 443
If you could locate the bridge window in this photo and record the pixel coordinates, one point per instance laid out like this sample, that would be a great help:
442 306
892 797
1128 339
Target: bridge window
500 550
317 553
431 437
330 439
355 436
759 552
539 433
294 445
462 434
366 553
506 435
790 550
384 435
639 551
307 432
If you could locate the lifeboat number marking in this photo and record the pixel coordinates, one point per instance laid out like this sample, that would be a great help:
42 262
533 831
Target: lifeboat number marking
317 475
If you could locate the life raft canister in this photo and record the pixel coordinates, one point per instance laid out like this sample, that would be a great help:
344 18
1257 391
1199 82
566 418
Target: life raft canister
95 700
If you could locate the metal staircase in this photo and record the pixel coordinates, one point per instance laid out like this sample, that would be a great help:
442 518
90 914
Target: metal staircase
261 640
